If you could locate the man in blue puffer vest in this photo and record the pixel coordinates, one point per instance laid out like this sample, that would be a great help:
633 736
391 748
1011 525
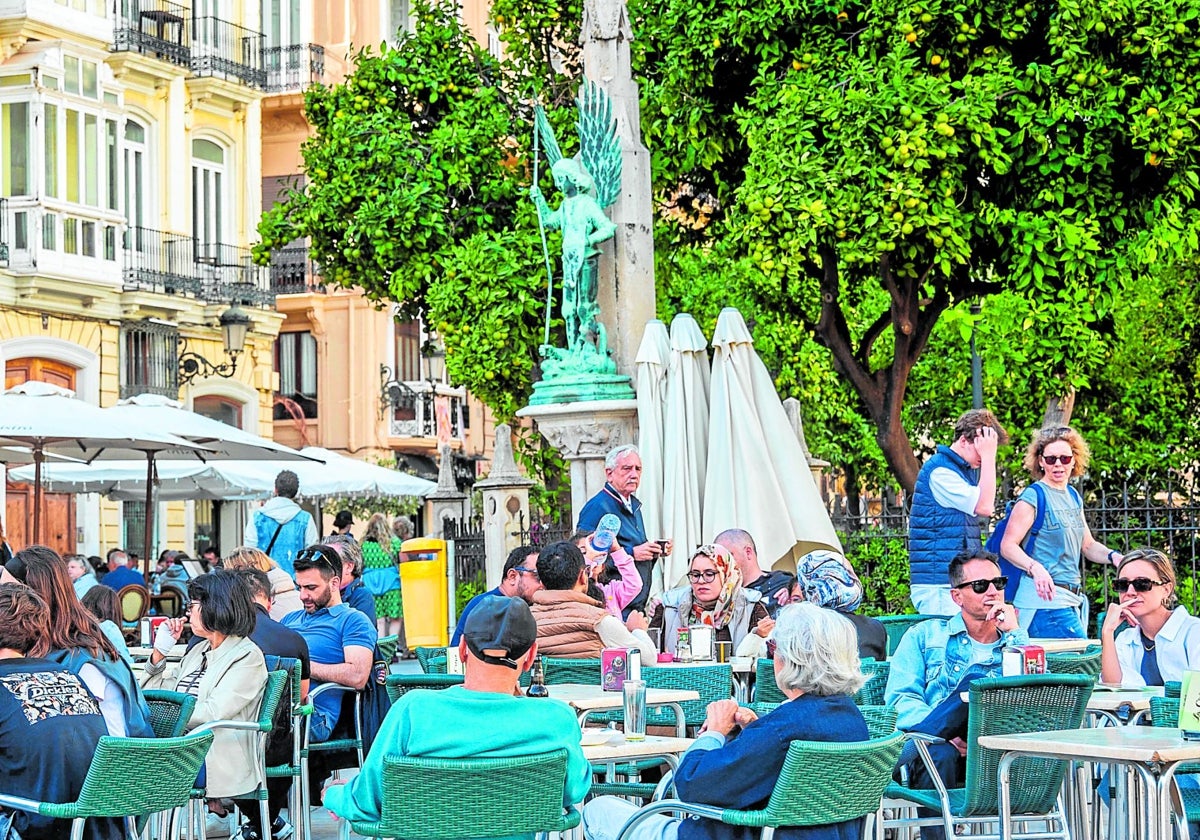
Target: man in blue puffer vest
948 502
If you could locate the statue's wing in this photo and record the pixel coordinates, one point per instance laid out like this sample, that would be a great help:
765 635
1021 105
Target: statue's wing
549 142
599 146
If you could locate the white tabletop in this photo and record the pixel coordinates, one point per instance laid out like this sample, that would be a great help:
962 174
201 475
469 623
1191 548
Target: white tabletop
1137 699
139 652
621 749
739 664
1148 744
591 697
1064 645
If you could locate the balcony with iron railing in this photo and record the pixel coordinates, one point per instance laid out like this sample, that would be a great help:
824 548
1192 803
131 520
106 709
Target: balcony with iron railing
293 273
153 27
227 51
230 274
421 421
294 68
175 264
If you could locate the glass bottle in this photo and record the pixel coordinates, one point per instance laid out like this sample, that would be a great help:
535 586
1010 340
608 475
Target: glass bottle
537 680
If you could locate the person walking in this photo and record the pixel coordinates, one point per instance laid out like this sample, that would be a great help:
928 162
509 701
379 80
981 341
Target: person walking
381 575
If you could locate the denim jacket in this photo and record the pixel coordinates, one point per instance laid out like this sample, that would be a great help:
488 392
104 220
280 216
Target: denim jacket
931 661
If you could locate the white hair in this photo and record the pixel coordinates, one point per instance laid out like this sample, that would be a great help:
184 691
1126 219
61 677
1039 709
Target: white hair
614 455
818 649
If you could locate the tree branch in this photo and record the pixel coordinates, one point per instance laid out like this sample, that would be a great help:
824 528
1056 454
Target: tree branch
831 330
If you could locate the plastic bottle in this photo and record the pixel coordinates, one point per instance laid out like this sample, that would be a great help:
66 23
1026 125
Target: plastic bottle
606 532
537 680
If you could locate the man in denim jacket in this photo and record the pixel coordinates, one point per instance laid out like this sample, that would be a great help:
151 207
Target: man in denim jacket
938 659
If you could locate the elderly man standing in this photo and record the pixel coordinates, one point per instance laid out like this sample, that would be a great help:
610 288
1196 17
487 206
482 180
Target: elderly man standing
518 579
485 717
280 528
569 622
938 659
948 502
623 475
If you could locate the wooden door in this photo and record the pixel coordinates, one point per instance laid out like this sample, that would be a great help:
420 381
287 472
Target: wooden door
58 509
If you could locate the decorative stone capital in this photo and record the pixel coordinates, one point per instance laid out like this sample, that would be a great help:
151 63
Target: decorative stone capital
504 472
585 429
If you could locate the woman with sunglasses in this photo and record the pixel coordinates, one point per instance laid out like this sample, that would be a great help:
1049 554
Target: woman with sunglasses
714 596
1050 597
1162 640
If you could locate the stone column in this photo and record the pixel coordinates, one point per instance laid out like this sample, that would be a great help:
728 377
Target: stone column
816 466
505 505
446 502
584 432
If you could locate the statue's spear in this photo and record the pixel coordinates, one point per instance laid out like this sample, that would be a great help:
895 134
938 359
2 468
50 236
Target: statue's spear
541 225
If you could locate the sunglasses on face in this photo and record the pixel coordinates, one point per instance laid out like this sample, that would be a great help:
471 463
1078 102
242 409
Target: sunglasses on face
981 586
706 576
1138 584
1058 459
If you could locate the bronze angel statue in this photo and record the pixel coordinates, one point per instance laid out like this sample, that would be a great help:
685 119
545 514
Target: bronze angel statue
589 182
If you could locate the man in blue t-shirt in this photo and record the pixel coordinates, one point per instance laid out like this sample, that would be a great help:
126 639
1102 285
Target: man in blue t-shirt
119 574
519 579
341 640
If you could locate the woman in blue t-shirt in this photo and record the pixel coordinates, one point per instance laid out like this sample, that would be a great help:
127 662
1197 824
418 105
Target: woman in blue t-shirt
1050 598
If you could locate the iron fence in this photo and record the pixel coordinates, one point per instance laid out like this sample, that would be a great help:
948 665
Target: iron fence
159 261
228 51
293 273
470 553
1124 511
231 275
293 68
152 27
542 529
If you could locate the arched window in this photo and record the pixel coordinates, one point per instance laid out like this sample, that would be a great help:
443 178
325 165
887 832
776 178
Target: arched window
209 176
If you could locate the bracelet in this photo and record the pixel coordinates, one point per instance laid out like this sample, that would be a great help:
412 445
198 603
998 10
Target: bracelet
1111 552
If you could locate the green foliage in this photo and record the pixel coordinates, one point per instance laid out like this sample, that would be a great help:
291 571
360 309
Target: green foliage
465 590
364 506
881 561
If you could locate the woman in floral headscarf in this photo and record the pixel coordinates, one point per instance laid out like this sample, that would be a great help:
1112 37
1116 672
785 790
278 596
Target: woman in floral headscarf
714 596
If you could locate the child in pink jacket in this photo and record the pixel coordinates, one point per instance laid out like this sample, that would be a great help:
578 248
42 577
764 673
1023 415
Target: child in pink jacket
617 593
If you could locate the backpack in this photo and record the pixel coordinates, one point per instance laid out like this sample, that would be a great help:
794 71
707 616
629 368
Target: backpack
997 536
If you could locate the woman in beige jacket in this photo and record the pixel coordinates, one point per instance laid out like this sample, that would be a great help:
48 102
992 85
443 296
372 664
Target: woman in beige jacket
225 672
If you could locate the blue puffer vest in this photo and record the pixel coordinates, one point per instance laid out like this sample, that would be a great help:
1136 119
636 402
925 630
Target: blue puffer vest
935 533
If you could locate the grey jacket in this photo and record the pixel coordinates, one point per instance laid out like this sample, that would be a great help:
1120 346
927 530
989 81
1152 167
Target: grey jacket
677 604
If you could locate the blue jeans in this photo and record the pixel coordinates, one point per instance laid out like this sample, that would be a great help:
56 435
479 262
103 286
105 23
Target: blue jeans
1056 624
604 816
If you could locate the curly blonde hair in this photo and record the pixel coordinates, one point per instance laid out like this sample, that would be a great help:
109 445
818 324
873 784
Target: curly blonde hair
1044 437
248 558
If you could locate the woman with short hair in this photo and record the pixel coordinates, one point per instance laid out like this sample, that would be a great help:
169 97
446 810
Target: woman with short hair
817 668
226 673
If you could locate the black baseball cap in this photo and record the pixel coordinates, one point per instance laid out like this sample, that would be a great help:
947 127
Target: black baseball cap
500 630
343 518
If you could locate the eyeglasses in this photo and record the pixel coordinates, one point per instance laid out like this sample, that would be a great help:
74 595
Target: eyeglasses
318 554
706 576
1058 459
981 586
1138 584
521 570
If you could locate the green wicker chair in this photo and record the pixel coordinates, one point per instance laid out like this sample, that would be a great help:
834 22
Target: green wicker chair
881 720
452 798
309 746
765 688
1004 706
714 682
871 694
386 648
1172 688
118 784
432 660
399 684
169 711
821 783
898 625
561 670
300 710
1164 711
1086 661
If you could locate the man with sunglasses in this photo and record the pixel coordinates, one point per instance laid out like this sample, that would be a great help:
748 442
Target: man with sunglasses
938 659
954 494
518 579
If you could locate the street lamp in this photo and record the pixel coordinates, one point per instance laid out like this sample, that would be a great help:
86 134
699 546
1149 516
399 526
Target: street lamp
235 324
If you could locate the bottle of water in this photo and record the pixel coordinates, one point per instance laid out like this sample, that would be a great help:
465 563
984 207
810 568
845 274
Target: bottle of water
606 532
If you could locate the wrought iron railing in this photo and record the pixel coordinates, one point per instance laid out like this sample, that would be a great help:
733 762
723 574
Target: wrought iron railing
421 419
470 552
158 261
293 273
228 51
230 274
542 529
294 67
149 359
152 27
4 243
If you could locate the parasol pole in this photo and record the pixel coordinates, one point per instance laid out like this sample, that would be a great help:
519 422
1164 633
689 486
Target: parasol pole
37 493
149 517
542 230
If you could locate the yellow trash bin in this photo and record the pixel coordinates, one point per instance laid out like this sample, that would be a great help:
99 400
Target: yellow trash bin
423 592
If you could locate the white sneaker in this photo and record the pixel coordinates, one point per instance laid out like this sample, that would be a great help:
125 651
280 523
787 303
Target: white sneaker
218 826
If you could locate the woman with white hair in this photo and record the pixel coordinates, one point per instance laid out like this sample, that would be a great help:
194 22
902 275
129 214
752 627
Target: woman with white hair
817 667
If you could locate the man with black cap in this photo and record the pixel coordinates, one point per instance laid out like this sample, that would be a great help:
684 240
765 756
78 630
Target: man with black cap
485 717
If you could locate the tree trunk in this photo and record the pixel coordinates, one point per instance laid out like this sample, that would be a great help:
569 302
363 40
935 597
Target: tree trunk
1059 410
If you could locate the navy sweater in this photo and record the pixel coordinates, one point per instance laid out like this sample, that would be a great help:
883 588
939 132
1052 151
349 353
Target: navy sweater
742 774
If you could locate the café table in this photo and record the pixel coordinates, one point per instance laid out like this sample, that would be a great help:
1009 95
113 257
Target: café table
1153 753
1108 705
141 652
743 671
617 749
1065 645
587 699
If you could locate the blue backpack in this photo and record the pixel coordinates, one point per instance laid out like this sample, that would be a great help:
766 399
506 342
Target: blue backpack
997 536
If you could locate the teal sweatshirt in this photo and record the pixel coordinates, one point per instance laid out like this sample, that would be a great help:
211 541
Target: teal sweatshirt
457 723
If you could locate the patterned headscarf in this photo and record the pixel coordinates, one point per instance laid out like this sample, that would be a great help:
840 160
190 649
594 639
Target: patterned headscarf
720 613
827 582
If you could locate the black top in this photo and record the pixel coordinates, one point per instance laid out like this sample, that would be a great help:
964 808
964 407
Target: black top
776 590
872 636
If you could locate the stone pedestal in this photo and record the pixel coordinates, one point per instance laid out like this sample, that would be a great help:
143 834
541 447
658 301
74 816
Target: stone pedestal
505 505
446 502
816 466
584 432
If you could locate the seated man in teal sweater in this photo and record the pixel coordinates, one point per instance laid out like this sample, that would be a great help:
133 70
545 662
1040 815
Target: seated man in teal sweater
484 717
